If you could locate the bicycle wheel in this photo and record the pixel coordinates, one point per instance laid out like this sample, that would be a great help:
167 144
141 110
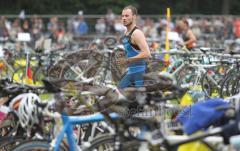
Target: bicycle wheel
235 85
87 133
187 76
56 70
227 85
210 87
35 145
73 71
76 63
8 143
117 71
106 142
9 126
6 130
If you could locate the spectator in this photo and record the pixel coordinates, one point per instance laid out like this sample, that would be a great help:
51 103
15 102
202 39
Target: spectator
39 24
52 25
140 21
196 30
100 26
189 39
70 27
6 22
3 28
149 29
209 31
82 27
15 29
26 26
118 26
237 27
110 17
228 28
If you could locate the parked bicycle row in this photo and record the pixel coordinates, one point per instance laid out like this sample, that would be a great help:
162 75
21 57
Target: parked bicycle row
79 107
95 117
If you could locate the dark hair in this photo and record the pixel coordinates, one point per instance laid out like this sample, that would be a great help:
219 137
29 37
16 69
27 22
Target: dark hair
132 8
186 22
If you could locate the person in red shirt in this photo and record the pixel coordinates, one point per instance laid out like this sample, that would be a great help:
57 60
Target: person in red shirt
237 27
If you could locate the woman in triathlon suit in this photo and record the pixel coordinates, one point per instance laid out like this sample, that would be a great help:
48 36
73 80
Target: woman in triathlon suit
189 39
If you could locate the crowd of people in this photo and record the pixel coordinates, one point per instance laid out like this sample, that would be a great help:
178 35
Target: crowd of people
205 28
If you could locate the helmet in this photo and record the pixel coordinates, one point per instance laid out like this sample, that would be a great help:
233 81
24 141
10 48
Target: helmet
27 110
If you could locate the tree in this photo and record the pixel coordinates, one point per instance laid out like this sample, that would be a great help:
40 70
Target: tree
101 6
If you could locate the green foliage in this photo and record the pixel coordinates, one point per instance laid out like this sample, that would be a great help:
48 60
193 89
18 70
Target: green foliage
101 6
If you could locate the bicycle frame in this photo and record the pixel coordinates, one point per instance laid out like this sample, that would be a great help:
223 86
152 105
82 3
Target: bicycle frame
200 69
67 128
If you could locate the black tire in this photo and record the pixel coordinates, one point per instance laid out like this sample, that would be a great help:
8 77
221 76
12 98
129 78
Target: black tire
186 76
228 84
132 145
208 87
56 70
91 60
107 140
76 59
235 86
223 91
68 73
100 130
6 130
219 75
31 145
10 125
8 143
225 83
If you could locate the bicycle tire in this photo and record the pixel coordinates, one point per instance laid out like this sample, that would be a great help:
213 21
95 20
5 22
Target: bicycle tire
235 85
108 139
56 70
225 90
31 145
8 143
9 126
133 145
208 87
76 59
186 76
